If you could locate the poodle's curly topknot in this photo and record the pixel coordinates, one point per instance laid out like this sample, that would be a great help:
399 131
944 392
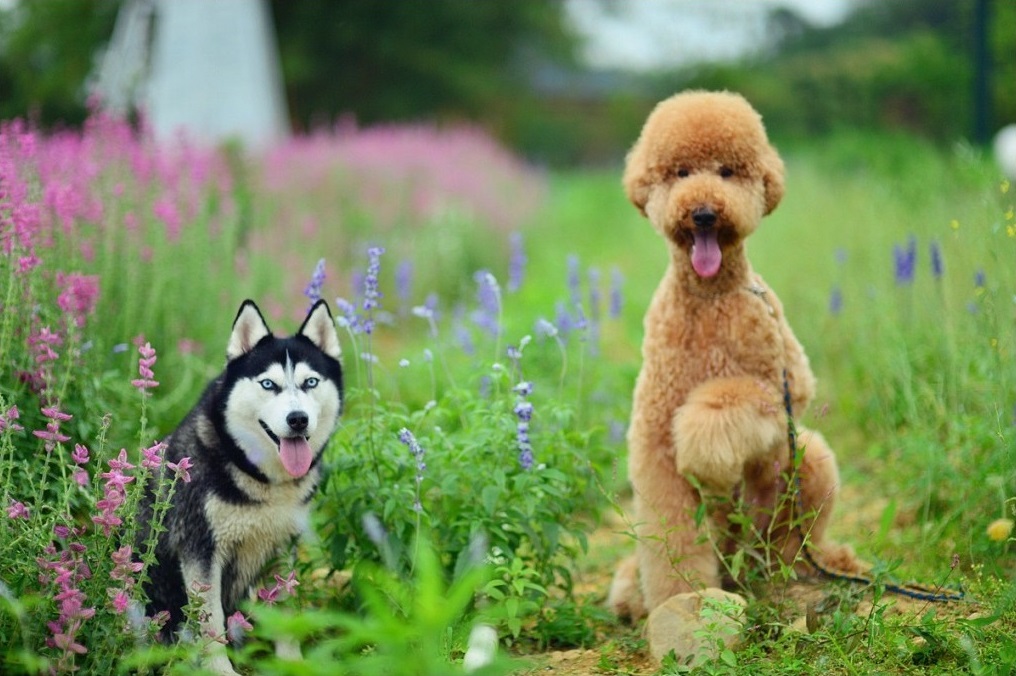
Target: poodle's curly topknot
699 125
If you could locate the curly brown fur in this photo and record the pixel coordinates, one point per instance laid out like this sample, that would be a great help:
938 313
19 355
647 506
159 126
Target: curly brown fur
708 400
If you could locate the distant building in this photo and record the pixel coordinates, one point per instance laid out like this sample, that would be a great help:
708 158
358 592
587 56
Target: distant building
209 69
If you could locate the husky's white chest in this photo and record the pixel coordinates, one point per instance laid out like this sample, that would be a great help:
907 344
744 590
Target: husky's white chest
247 535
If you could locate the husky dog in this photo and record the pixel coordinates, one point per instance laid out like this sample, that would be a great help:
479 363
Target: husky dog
255 440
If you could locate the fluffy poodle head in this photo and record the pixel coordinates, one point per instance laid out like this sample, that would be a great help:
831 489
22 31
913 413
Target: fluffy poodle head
704 174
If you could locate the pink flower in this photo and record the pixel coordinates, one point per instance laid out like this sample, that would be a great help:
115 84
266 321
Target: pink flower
8 418
120 461
17 510
145 363
66 643
80 477
269 596
125 566
236 625
78 296
56 414
165 210
181 469
120 600
51 435
80 454
108 521
153 456
288 584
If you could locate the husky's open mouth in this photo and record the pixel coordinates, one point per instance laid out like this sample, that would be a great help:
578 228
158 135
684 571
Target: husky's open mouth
294 452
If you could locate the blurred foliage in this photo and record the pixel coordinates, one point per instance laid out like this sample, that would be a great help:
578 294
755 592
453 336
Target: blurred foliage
410 60
906 65
46 53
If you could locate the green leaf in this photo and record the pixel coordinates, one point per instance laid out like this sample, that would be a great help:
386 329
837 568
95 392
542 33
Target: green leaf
489 496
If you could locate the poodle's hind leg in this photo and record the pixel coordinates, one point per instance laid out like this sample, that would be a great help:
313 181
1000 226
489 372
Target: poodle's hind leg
625 596
724 424
818 483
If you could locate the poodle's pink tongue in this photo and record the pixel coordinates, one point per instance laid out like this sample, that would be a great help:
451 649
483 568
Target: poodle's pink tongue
296 456
705 253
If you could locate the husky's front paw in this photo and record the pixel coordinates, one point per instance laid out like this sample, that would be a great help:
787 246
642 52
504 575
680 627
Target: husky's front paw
288 649
217 662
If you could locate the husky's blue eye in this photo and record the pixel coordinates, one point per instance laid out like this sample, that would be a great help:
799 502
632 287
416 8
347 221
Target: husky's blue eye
267 384
310 383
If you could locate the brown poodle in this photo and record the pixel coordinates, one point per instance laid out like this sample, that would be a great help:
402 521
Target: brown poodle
708 407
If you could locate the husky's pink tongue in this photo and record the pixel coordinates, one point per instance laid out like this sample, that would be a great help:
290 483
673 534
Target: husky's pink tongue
705 253
296 455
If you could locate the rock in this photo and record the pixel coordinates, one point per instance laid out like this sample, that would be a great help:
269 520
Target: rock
696 625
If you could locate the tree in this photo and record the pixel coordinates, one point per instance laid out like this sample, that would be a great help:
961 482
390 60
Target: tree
411 59
47 51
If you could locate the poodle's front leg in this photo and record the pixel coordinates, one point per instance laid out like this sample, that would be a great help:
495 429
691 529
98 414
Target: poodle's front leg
724 424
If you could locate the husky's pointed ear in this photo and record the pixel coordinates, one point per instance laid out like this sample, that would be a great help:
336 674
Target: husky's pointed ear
249 328
319 327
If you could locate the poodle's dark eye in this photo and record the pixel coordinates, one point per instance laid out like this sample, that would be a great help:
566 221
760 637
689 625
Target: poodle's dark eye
726 172
682 173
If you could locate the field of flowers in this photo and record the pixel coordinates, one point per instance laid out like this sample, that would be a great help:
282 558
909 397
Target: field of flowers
490 316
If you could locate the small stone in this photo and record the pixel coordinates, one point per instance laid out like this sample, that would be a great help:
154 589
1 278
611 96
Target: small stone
696 626
800 625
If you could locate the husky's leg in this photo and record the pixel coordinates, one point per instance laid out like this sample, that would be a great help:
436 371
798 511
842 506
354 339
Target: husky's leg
213 624
287 648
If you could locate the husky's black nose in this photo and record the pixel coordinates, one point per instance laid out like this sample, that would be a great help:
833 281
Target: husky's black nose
704 217
297 421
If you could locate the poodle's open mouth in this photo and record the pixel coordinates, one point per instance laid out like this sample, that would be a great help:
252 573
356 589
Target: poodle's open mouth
706 256
294 452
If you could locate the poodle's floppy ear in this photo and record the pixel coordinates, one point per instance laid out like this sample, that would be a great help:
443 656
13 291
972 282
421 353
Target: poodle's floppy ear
636 179
772 179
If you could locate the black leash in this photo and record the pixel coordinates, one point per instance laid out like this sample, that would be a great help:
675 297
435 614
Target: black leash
938 594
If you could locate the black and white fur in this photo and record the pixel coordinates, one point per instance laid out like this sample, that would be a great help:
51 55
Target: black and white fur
255 440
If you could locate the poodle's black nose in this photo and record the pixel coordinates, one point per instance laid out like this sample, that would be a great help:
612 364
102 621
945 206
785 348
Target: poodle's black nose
704 217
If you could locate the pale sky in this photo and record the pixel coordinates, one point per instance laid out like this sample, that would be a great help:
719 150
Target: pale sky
648 34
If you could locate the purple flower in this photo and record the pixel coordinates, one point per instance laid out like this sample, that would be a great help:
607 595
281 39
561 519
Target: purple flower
404 281
371 293
545 329
317 280
407 438
574 283
524 414
936 260
516 262
905 260
835 301
616 293
488 294
347 315
979 279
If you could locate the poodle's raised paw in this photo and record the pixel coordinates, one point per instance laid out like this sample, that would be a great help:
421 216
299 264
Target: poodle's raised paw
724 424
